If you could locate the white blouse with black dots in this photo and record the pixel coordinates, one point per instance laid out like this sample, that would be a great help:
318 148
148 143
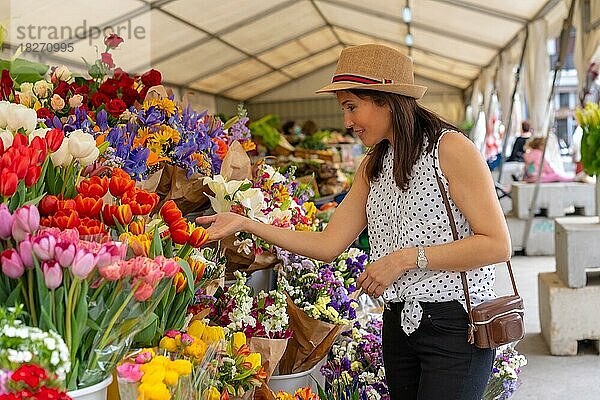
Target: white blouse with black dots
417 217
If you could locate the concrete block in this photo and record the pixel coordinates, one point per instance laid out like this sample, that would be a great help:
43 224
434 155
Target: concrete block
577 248
567 315
554 197
541 235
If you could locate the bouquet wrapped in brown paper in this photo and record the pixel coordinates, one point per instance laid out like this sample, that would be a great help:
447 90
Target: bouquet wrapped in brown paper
261 193
321 301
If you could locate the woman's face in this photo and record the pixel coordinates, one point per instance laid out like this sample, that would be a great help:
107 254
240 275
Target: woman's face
370 122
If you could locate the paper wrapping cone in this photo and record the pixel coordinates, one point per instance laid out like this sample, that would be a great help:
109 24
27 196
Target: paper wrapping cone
243 262
151 184
236 164
311 341
271 351
263 393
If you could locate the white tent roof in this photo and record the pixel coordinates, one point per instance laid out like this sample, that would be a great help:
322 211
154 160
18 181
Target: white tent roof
242 48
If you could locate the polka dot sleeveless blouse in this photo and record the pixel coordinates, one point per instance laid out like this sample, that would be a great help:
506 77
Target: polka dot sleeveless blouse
417 217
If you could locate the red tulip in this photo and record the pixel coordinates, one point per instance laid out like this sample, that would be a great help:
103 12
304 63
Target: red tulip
33 175
20 140
120 182
112 213
8 183
170 213
54 139
179 231
88 206
40 149
48 205
19 167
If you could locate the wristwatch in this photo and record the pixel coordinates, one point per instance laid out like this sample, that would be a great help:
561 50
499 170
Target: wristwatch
421 258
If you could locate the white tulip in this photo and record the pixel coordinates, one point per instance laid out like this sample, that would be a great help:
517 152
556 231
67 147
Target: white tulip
20 116
81 144
40 132
7 138
89 159
62 157
4 106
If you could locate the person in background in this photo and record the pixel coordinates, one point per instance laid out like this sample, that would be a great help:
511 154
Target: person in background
309 127
534 148
417 163
291 132
518 148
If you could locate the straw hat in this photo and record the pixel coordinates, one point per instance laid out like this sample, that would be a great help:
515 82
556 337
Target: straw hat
374 67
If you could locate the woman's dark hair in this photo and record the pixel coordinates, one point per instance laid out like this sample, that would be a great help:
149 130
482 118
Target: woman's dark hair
411 123
287 126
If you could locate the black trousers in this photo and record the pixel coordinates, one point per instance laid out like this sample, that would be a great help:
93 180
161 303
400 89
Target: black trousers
435 362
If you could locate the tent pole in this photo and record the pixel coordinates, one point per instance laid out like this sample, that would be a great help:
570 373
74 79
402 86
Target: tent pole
512 104
564 43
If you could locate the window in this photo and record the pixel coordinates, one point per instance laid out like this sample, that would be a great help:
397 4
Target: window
563 100
562 129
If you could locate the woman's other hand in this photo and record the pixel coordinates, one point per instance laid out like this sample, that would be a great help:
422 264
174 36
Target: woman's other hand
223 225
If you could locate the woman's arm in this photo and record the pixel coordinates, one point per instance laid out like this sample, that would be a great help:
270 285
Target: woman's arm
472 190
347 222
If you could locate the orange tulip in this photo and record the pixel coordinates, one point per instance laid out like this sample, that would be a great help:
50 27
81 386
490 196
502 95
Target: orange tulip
137 227
88 226
66 219
88 206
198 237
112 213
170 212
179 231
95 187
141 201
179 282
120 182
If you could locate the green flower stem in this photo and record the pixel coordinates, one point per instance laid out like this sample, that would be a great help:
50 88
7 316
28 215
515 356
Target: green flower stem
185 251
70 299
98 290
31 301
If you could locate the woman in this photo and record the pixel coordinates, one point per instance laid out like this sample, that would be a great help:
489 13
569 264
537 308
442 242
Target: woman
415 263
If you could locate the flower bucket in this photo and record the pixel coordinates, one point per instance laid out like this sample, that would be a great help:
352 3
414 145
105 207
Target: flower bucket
94 392
290 383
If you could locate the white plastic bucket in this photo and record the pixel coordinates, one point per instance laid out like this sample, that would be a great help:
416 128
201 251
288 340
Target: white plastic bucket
292 382
94 392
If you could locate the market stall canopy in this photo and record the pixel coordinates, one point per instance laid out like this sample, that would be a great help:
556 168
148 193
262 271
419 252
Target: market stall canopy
240 49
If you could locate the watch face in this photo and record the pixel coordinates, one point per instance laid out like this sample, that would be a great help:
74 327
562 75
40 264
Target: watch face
422 263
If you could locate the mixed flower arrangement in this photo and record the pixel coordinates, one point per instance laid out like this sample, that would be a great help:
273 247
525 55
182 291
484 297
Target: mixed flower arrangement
304 393
33 363
504 380
238 310
356 362
323 291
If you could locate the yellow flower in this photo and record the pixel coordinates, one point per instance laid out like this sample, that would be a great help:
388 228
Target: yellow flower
167 105
310 209
153 392
283 396
213 334
239 339
196 329
182 367
171 378
213 394
254 359
248 145
168 344
356 365
195 350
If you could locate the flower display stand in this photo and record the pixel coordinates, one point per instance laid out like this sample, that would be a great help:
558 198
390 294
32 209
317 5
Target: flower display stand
292 382
94 392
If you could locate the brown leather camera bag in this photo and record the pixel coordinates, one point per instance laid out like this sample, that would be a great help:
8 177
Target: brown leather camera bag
492 323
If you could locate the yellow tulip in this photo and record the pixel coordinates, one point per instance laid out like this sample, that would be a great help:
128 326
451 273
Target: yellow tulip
213 394
254 359
213 334
239 339
196 329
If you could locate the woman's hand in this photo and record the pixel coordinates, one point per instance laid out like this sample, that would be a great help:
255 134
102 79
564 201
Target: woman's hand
380 274
223 225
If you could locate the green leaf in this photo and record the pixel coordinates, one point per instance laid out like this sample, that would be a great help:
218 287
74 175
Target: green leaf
230 122
156 245
168 248
245 187
187 272
22 70
80 315
146 335
15 295
60 301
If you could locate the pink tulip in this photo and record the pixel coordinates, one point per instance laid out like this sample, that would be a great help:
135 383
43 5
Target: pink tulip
154 276
111 272
83 263
52 274
44 245
6 222
111 253
64 253
12 266
169 266
143 292
26 252
26 220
